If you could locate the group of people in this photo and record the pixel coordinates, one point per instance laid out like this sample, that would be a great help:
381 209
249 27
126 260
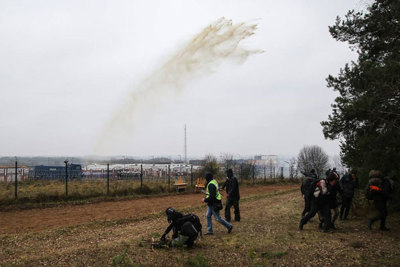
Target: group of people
186 228
325 195
322 196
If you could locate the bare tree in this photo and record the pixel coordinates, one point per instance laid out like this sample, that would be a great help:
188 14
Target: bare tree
210 164
228 160
312 157
293 171
338 164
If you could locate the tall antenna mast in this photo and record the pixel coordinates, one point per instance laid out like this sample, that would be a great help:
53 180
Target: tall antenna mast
185 146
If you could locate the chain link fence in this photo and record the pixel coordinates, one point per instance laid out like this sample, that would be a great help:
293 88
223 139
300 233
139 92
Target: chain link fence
47 183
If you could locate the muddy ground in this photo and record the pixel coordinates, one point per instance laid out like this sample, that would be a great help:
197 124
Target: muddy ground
267 235
49 218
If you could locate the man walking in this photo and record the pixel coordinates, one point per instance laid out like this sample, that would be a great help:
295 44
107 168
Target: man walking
348 183
307 187
214 204
379 190
232 197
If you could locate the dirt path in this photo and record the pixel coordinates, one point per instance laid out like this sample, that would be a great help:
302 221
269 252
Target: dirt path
43 219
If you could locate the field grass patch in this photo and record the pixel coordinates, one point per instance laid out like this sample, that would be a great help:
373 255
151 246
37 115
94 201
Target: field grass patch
197 261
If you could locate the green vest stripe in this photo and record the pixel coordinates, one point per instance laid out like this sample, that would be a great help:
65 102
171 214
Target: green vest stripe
214 182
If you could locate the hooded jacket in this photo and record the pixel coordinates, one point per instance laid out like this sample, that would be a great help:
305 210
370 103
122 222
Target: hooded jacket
232 188
348 185
212 197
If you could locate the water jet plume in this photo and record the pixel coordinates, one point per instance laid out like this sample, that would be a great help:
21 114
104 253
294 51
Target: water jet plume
215 44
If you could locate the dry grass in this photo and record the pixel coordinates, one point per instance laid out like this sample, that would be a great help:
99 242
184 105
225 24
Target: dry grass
30 193
267 235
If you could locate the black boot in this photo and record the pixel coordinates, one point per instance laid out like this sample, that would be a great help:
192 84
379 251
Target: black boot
370 222
301 224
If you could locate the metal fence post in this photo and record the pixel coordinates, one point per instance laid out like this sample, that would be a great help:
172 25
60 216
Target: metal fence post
169 177
241 175
253 171
141 177
265 176
191 175
108 179
16 180
66 178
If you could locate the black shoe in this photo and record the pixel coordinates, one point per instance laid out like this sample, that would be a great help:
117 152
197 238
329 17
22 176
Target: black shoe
385 228
230 229
370 224
209 233
320 225
301 225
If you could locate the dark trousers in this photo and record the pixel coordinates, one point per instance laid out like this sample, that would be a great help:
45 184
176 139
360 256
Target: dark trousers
307 206
382 209
229 204
346 205
319 206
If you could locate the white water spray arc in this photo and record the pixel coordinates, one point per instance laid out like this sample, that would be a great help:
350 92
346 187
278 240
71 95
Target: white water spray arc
206 51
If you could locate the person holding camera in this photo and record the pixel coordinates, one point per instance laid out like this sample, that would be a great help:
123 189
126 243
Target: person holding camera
214 204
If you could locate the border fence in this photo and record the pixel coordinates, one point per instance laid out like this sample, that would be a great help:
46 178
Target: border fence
72 181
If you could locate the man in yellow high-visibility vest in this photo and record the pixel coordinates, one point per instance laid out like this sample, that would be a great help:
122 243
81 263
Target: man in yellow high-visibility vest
214 204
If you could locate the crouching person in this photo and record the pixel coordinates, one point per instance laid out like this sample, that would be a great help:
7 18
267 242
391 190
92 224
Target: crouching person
186 228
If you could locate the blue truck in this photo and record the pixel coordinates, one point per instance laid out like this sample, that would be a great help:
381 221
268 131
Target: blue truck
42 172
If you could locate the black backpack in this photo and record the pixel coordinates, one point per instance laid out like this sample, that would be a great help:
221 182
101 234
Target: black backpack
189 230
374 188
195 220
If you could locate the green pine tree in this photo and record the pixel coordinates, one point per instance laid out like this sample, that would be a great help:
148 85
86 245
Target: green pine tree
366 114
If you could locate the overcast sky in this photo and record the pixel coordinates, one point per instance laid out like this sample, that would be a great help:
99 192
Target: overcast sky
65 67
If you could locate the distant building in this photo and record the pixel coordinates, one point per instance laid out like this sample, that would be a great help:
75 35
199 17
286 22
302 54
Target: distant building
270 161
7 173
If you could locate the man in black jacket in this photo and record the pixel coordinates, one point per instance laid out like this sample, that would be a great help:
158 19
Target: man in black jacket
348 184
232 196
306 188
184 231
333 188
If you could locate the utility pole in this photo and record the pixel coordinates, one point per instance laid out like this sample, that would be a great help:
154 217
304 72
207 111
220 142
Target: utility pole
185 147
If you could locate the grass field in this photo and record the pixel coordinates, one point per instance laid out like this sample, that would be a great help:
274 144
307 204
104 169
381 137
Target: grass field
267 235
42 193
